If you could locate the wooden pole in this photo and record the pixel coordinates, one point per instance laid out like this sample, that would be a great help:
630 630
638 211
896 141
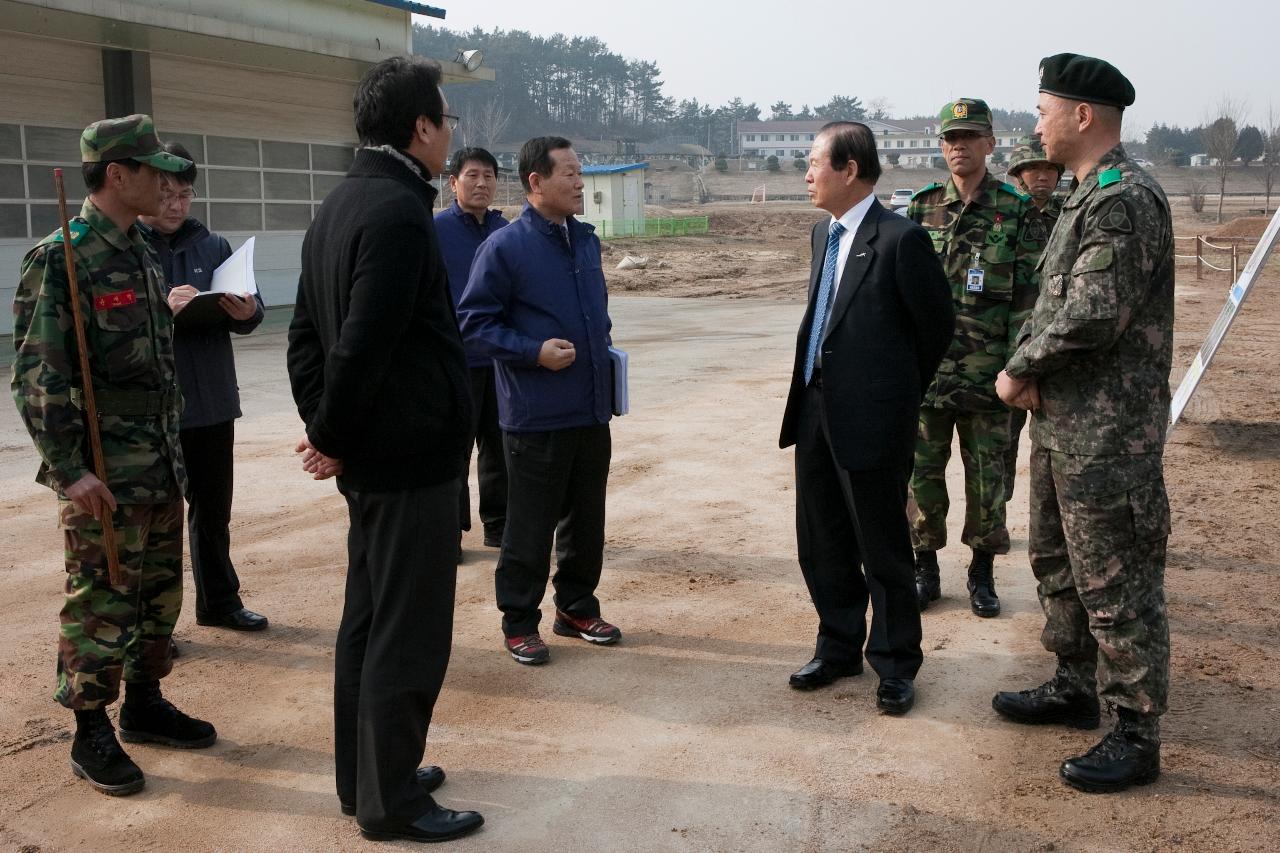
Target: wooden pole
86 380
1199 259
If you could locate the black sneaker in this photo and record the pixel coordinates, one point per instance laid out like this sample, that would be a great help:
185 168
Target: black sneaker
148 717
593 629
97 757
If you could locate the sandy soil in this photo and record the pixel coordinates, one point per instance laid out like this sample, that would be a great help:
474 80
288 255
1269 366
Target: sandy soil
686 737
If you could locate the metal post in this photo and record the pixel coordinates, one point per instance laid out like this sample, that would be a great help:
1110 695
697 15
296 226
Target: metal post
1235 261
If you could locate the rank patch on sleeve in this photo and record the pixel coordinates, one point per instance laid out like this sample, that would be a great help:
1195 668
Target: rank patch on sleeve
1116 218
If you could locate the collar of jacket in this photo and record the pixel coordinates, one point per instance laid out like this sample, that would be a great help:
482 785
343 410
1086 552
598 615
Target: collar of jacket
546 226
490 215
984 197
108 231
1082 187
190 231
387 162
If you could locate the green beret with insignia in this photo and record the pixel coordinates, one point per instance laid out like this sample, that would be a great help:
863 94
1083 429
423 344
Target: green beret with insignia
1083 78
965 114
1030 152
129 138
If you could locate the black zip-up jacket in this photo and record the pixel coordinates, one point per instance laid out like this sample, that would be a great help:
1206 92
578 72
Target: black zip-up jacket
206 363
375 359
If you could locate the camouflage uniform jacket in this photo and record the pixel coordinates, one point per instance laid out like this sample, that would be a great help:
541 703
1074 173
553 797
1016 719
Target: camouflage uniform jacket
1101 339
994 230
129 331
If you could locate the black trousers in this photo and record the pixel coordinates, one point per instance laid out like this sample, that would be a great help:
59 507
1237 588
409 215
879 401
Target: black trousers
393 645
208 454
557 483
855 546
491 465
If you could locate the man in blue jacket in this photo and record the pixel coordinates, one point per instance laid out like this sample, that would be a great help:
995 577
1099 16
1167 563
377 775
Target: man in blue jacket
536 303
462 227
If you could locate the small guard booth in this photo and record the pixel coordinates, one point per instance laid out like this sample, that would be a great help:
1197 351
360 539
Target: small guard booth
613 199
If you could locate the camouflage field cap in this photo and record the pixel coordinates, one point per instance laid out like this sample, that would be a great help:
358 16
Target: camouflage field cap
1030 152
965 114
132 137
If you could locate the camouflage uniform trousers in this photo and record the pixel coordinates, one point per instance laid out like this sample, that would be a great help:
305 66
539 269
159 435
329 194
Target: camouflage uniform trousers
1099 525
984 438
1017 420
109 632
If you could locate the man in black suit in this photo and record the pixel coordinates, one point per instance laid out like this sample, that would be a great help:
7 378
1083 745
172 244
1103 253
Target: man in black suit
878 322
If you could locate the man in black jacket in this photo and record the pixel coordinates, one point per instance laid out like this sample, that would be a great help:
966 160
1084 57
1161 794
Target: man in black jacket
380 380
878 323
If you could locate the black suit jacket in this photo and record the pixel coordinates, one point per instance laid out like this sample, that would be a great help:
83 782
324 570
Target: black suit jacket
891 323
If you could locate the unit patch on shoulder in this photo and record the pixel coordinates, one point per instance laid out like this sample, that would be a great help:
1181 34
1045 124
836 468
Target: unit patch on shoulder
1115 217
78 229
1109 177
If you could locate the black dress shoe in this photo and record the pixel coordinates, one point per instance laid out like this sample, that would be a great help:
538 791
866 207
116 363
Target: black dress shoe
895 695
820 673
429 778
438 824
243 619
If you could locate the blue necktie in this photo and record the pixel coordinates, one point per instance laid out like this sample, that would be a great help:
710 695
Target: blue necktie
822 302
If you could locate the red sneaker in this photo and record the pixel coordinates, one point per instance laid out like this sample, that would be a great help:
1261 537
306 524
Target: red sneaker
593 629
528 649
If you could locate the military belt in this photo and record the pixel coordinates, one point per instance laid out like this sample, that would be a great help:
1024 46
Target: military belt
126 404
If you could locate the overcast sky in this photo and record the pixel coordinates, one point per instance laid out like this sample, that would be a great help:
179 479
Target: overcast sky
1181 56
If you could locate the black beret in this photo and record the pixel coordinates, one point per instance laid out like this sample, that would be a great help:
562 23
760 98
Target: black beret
1083 78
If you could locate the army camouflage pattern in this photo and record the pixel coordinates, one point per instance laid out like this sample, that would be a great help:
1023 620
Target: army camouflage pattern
996 226
984 438
1048 216
129 331
113 632
129 138
1098 530
1030 152
1100 341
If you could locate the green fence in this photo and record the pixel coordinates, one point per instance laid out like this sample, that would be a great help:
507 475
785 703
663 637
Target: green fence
609 229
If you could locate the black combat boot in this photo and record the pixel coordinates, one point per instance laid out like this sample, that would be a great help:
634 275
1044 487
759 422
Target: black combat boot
1060 700
982 584
96 756
1128 755
148 716
928 578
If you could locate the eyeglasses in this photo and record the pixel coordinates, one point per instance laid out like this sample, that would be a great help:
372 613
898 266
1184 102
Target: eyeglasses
450 121
183 197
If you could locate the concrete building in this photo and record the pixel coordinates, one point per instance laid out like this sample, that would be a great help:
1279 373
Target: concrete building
260 93
914 142
614 195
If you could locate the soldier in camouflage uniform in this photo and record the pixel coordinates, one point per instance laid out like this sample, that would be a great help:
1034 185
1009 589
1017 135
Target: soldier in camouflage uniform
1031 171
109 632
982 229
1093 365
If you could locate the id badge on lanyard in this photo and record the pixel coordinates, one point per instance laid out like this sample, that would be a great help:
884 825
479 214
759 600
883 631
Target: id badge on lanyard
973 282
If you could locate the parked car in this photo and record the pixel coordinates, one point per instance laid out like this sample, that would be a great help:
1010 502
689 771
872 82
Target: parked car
900 197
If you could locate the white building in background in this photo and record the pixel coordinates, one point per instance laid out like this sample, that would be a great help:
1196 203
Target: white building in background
259 92
913 142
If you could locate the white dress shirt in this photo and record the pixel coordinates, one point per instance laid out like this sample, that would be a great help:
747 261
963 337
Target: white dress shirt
851 221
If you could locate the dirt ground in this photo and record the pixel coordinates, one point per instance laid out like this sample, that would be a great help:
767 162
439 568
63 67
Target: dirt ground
685 737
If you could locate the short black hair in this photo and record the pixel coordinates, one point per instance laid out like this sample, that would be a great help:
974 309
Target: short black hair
535 156
392 95
188 175
463 156
95 174
852 140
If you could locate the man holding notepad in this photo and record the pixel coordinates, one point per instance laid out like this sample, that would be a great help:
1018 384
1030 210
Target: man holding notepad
536 304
